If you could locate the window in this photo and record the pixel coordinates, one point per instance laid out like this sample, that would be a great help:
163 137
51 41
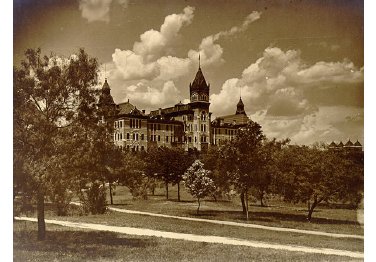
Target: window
142 136
127 135
121 136
190 139
203 116
195 139
159 138
142 148
166 138
136 136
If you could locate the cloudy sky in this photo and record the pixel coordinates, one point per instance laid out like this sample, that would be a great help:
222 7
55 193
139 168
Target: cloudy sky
297 64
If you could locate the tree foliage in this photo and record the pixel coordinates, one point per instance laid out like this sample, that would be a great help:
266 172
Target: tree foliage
198 182
314 175
50 94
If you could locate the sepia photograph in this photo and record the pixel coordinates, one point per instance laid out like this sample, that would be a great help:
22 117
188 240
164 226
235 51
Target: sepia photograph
188 130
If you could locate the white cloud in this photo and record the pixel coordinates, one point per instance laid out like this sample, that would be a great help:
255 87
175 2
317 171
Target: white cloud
149 98
210 51
133 66
150 57
282 79
154 43
98 10
280 91
329 123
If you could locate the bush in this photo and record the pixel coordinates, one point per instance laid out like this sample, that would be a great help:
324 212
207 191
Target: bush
61 198
93 199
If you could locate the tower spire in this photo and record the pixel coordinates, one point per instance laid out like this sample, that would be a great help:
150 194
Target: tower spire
199 61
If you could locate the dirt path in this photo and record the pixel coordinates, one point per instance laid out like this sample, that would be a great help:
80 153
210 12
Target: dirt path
229 223
200 238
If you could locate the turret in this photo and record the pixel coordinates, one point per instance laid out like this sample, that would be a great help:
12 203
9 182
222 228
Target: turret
199 89
240 107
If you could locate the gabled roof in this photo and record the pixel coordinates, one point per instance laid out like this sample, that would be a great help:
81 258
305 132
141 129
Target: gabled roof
333 144
357 143
135 112
349 143
340 144
125 108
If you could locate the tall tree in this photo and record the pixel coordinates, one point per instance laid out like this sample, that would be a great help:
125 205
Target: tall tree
267 167
242 160
50 93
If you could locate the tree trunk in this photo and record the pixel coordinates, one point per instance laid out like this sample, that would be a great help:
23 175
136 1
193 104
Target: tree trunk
243 203
198 208
261 198
40 212
166 184
111 200
308 205
246 204
179 191
314 204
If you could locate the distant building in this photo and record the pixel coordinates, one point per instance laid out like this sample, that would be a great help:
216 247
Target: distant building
357 146
188 126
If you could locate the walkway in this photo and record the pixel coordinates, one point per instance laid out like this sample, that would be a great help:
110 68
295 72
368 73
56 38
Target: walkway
229 223
200 238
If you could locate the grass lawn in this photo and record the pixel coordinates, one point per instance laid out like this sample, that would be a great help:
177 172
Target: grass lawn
65 244
277 213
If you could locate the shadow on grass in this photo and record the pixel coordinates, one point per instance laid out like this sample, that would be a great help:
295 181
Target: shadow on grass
271 216
88 245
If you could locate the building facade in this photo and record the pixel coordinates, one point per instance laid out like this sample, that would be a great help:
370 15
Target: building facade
188 126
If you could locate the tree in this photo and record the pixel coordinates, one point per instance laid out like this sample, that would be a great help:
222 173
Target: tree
198 182
133 174
50 93
169 165
267 167
222 182
314 175
241 159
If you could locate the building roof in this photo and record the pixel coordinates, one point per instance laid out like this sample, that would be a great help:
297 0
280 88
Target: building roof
357 143
199 83
333 144
240 107
125 108
340 144
237 119
105 97
349 143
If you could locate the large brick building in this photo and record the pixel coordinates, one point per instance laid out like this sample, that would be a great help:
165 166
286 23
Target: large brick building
188 126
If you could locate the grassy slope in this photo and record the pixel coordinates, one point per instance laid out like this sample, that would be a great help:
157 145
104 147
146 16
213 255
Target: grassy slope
64 244
76 245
